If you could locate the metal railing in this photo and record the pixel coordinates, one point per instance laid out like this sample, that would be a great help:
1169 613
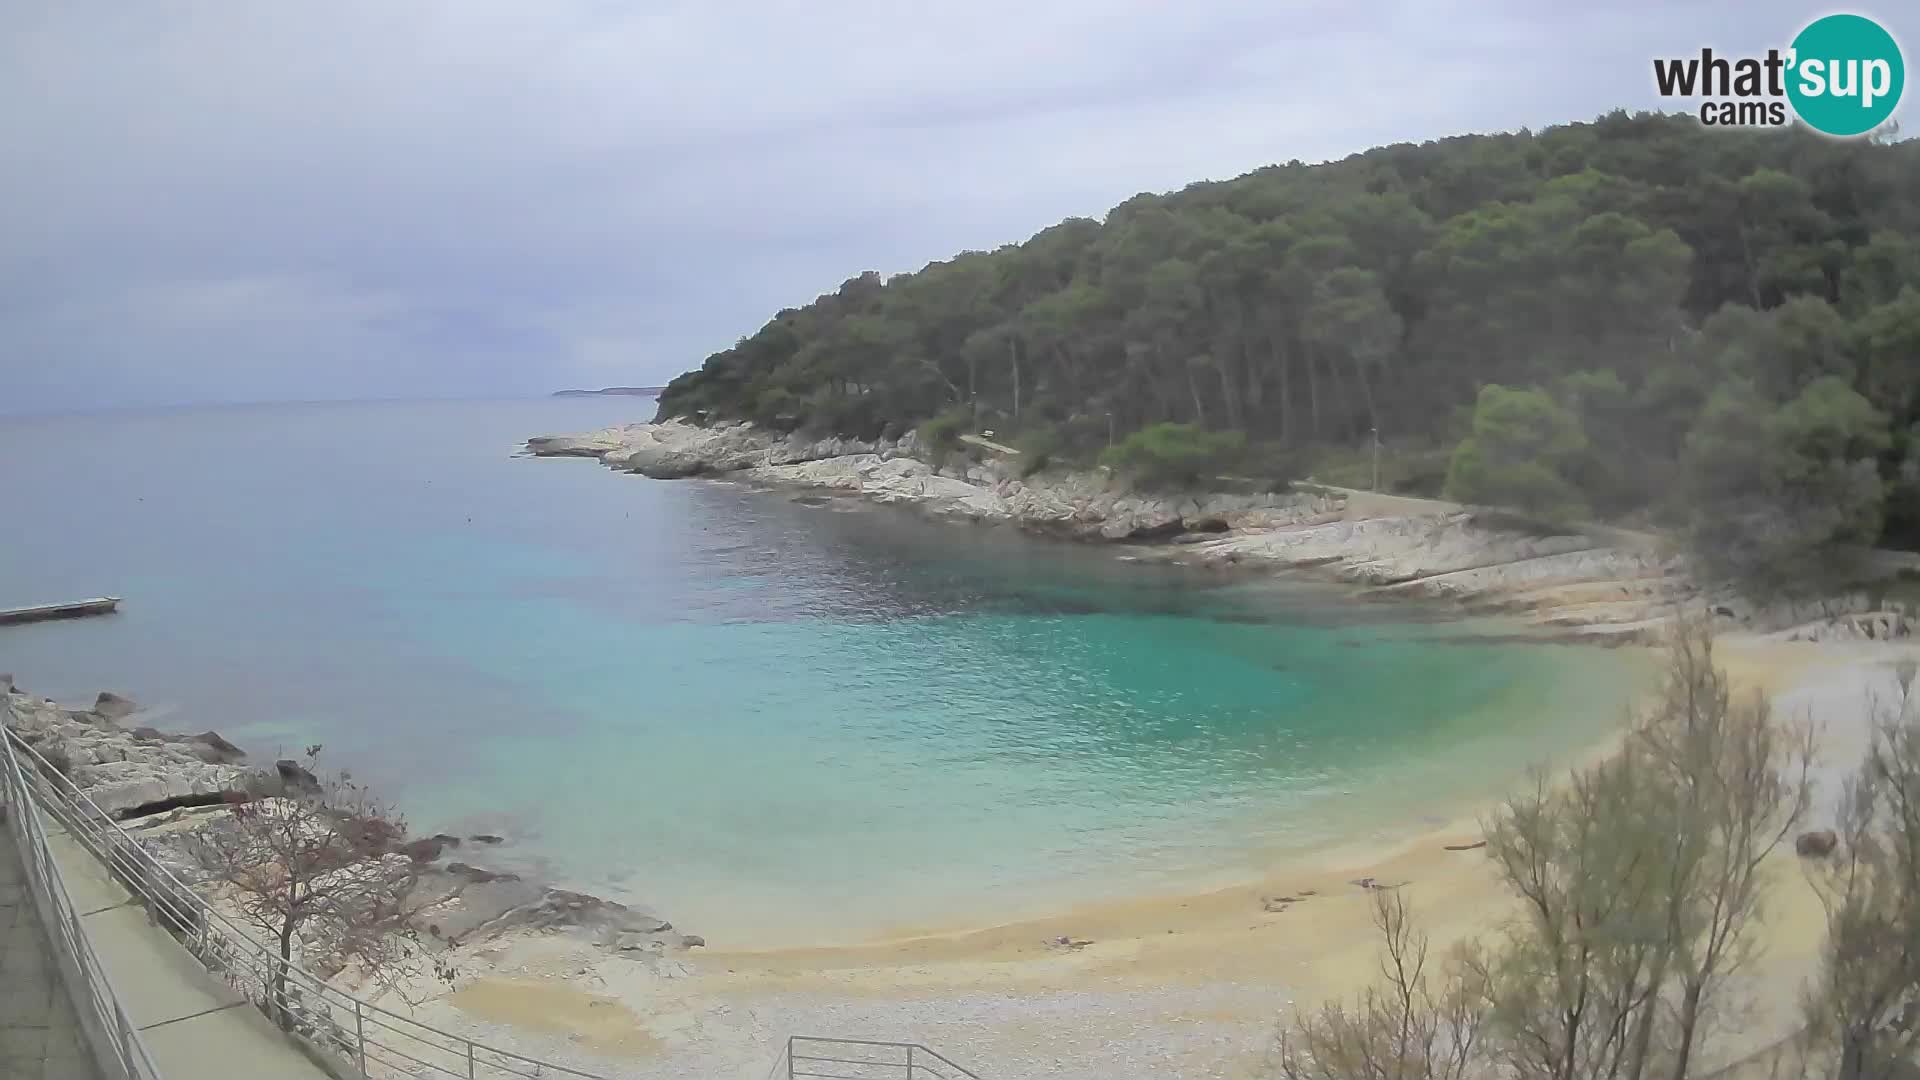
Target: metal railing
348 1034
118 1048
810 1058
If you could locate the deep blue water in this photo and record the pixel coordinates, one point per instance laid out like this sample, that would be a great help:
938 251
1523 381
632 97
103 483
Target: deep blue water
766 719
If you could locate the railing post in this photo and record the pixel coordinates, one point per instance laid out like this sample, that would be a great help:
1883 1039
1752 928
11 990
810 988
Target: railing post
469 1043
789 1057
909 1061
360 1037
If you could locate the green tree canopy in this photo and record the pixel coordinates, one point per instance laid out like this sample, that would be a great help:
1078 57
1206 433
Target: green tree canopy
1633 269
1778 496
1175 455
1521 445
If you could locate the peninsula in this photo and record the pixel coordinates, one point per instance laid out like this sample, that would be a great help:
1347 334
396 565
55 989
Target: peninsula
1638 321
614 391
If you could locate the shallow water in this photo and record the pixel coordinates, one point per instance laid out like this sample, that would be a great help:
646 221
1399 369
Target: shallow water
768 720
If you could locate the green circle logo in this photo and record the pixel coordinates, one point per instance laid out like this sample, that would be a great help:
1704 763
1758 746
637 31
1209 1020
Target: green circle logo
1847 74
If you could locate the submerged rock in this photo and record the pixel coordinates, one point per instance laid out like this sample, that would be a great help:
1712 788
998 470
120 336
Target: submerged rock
428 848
466 904
476 874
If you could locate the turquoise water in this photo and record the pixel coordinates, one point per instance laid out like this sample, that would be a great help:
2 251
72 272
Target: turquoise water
768 720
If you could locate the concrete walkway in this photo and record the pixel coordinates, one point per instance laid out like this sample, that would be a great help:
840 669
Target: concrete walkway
192 1022
40 1037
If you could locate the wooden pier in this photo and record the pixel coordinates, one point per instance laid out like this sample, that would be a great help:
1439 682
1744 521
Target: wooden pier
74 609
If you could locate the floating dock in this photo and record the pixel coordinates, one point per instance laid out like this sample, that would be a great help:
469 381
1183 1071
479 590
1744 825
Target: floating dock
74 609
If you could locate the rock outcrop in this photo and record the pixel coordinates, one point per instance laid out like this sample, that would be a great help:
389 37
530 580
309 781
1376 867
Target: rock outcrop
1604 584
112 706
1428 550
118 769
591 445
1816 845
1857 626
294 776
213 749
178 781
462 905
1090 505
1569 582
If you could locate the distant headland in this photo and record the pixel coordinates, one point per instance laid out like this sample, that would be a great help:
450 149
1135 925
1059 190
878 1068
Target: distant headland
622 391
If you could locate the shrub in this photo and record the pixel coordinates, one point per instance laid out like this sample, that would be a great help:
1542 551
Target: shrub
777 408
1783 499
1521 444
1643 879
1175 455
942 433
1422 473
1275 467
53 753
1037 448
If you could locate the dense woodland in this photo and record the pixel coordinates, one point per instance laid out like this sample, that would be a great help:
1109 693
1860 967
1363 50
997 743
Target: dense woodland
1638 319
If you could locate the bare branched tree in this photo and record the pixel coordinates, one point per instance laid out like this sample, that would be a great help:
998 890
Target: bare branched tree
1404 1028
1864 1011
308 863
1577 968
1639 882
1731 785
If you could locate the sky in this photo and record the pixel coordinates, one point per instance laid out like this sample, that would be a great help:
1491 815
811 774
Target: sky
209 201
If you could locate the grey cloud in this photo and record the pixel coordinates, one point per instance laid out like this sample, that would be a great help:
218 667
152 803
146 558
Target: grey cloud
246 201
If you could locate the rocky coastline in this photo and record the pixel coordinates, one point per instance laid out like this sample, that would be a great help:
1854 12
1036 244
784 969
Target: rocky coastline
1603 585
163 787
562 974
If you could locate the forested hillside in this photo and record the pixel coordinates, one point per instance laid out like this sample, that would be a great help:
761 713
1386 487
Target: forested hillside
1638 318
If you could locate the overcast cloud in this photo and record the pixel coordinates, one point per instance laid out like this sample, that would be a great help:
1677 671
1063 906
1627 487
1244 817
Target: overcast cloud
228 201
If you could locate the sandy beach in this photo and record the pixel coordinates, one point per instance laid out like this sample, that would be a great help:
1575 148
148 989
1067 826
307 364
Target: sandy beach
1186 986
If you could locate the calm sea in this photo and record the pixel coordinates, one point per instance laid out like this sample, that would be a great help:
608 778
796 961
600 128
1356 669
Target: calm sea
767 720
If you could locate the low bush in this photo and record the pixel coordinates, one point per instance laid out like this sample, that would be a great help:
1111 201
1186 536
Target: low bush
1176 455
942 433
1038 447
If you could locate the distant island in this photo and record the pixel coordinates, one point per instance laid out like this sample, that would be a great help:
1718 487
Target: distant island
620 391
